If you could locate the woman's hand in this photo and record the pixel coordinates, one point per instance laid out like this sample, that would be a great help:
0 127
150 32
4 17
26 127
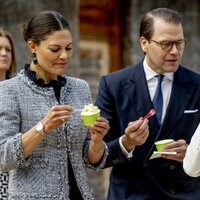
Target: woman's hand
56 116
99 129
96 147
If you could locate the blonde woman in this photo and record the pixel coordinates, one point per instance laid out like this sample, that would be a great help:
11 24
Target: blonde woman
7 70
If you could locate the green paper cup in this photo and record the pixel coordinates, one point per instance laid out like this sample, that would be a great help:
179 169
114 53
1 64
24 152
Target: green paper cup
88 120
160 145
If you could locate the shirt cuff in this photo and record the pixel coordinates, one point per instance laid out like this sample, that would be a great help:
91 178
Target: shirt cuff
125 152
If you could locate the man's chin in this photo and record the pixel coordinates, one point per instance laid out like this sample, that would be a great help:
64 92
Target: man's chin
172 68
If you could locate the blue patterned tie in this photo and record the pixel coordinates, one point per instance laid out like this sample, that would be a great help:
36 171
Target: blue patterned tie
158 99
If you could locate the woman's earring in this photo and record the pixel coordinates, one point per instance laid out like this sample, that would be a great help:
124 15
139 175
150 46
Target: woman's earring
34 59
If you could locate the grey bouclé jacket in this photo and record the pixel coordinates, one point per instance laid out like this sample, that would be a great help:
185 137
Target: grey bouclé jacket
43 175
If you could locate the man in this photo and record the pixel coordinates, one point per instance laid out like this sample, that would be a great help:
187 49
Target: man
127 95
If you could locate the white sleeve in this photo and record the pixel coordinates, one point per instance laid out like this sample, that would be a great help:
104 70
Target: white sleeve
126 153
191 162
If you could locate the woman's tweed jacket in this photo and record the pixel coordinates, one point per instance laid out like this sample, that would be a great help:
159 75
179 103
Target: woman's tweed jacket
43 175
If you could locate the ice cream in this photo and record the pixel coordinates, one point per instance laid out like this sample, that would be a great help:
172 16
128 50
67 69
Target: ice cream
90 109
89 114
160 145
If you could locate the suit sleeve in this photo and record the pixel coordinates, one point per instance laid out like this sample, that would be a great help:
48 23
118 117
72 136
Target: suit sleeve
106 101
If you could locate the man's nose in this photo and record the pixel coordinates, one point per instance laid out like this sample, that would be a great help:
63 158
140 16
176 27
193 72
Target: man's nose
174 49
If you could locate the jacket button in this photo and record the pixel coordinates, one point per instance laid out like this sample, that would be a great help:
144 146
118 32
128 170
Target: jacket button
145 165
142 190
115 161
172 167
172 191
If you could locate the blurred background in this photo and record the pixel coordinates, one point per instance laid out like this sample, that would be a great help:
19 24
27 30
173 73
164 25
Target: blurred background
106 38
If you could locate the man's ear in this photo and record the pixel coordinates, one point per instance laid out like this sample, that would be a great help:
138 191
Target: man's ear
144 44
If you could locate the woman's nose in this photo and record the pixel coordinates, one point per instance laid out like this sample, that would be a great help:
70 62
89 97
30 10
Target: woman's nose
3 51
64 55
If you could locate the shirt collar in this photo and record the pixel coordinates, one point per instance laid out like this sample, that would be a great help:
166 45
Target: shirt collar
150 73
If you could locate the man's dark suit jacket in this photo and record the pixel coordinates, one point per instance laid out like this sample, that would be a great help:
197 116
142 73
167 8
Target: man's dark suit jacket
123 97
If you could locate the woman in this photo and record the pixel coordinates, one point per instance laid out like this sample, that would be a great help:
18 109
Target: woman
41 132
7 69
7 55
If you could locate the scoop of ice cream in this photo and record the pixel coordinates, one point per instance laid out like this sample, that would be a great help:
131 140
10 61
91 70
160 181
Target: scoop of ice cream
90 109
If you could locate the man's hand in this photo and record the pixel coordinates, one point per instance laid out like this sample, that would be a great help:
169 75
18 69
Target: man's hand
136 134
179 146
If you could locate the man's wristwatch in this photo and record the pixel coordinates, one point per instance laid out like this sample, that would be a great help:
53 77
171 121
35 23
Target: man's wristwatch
40 128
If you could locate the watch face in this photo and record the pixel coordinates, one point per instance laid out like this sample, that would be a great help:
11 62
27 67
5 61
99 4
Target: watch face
39 127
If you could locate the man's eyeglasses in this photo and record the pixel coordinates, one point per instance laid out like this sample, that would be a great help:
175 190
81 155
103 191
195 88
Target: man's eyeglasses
167 45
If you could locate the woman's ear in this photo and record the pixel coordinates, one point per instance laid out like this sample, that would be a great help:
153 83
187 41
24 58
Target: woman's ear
144 44
31 46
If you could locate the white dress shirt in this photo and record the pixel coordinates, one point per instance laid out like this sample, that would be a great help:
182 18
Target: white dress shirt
191 162
152 81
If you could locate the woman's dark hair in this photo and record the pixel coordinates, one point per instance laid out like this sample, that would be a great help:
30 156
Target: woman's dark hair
43 24
168 15
12 69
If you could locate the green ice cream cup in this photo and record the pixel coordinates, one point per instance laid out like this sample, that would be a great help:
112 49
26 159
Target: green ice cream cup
88 120
160 145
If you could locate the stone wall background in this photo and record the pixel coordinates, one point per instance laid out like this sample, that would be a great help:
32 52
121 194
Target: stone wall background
13 13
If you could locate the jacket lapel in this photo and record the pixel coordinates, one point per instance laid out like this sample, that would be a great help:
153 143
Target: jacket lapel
136 88
181 94
182 91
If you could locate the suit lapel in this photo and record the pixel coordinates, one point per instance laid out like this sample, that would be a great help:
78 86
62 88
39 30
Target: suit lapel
182 91
135 86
